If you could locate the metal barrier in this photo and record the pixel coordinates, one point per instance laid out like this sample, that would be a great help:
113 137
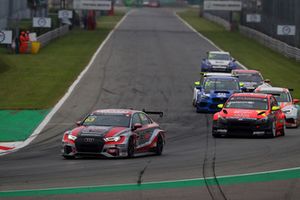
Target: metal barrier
217 20
47 37
276 45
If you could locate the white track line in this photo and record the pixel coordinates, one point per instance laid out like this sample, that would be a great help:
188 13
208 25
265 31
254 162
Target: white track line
66 96
205 38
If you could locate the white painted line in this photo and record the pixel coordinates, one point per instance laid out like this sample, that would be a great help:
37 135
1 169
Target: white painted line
66 96
205 38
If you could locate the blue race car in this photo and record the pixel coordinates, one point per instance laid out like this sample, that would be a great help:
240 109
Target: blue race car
215 90
218 61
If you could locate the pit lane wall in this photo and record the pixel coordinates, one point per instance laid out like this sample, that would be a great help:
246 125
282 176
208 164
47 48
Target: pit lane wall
274 44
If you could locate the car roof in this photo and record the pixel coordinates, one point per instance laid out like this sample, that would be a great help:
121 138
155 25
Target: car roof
246 71
219 52
115 111
273 89
253 95
222 77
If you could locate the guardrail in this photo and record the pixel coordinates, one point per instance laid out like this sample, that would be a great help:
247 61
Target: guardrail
218 20
47 37
276 45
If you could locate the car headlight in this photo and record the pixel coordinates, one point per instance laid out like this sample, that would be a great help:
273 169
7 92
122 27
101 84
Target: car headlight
112 139
72 137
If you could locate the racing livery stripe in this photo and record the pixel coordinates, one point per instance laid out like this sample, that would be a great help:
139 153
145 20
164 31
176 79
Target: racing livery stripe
113 131
6 148
284 174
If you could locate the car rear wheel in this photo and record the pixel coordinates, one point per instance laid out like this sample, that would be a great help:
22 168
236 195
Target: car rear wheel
159 145
130 148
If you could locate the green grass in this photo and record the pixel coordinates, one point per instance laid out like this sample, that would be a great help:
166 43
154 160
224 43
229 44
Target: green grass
282 71
39 81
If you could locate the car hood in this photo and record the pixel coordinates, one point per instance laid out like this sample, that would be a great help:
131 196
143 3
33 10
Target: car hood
104 131
285 104
244 113
219 62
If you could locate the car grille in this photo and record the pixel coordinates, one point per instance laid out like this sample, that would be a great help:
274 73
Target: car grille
89 144
238 124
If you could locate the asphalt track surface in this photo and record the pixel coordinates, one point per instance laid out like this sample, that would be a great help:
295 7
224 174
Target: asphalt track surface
151 61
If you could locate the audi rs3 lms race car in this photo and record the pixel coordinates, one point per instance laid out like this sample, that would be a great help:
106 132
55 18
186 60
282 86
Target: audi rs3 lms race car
248 114
215 90
218 61
288 105
114 133
250 78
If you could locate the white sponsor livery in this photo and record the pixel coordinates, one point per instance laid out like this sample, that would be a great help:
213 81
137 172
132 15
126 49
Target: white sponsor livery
92 4
286 30
5 37
42 22
223 5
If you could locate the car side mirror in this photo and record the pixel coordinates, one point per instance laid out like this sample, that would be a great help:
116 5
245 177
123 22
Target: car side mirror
296 101
136 126
78 123
275 108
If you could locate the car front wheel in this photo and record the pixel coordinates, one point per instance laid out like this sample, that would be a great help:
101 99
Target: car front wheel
159 145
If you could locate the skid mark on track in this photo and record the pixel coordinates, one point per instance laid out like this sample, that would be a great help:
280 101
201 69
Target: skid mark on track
209 167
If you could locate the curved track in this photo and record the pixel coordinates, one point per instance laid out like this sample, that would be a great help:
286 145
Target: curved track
151 61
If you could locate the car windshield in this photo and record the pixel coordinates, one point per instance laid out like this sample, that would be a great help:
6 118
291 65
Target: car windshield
218 56
279 96
122 120
221 84
248 103
250 78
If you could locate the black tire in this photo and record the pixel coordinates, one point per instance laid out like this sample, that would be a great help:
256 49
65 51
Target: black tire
283 130
216 135
273 130
159 145
130 148
68 157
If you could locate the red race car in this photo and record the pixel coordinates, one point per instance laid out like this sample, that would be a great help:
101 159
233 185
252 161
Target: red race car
249 114
114 133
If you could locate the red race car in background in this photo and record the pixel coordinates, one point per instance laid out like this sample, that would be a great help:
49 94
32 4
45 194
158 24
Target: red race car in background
114 133
248 114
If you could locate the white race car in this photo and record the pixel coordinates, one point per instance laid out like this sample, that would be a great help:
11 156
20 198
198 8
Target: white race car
288 105
218 61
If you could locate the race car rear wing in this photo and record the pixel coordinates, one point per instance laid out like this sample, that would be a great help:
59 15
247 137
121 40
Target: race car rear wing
161 114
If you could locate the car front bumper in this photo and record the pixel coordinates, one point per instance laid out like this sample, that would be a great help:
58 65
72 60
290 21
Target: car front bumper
243 127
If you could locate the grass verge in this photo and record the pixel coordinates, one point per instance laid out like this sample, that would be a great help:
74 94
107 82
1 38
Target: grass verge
282 71
39 81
